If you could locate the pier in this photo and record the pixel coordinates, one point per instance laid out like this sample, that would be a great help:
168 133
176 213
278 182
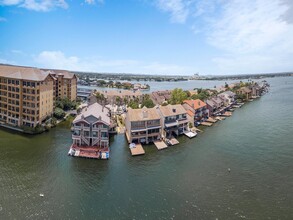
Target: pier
173 141
206 124
160 145
211 120
137 150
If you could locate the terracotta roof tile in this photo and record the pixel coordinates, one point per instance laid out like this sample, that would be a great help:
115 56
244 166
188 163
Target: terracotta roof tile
195 104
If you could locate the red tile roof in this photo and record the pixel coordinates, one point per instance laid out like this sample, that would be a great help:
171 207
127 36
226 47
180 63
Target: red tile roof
195 104
190 113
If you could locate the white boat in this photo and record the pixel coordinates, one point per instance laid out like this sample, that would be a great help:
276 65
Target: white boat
132 145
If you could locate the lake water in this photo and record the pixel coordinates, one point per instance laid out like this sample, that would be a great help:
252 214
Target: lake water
186 181
186 85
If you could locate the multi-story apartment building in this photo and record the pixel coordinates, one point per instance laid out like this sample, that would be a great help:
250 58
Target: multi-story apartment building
197 111
91 132
65 84
27 94
143 125
174 120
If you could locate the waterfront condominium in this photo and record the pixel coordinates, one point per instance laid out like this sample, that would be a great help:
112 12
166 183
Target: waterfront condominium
174 120
197 111
91 133
143 125
27 95
65 84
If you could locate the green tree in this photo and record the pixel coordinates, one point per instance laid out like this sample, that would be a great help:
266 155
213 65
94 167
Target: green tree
178 96
59 113
147 102
133 104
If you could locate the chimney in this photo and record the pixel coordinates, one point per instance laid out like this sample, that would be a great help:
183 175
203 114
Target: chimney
198 103
174 110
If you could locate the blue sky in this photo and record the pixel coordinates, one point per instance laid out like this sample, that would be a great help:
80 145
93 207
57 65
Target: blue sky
149 36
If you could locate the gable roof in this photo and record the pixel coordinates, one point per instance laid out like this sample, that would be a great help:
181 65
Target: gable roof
195 104
172 110
143 114
95 110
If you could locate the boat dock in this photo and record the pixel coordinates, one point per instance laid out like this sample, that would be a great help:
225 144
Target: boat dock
89 152
173 141
227 114
211 120
160 145
137 150
206 124
190 134
220 118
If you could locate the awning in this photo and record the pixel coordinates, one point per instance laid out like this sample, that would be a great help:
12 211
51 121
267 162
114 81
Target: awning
168 125
138 130
183 121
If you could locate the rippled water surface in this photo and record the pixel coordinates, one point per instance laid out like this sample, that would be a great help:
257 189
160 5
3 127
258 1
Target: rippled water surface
187 181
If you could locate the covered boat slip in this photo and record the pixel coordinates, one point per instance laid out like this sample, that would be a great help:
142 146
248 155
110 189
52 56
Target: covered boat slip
190 134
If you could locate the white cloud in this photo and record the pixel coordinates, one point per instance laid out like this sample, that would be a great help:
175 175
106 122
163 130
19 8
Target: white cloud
248 27
178 9
10 2
58 60
36 5
250 36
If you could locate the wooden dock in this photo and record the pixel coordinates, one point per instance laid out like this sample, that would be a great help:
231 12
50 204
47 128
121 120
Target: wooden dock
160 145
211 120
195 129
227 114
206 124
173 141
137 150
220 118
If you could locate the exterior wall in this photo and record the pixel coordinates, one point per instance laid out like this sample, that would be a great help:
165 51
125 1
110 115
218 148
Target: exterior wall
199 114
25 102
65 87
145 131
90 134
46 98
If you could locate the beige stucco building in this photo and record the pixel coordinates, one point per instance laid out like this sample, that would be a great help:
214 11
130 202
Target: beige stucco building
27 95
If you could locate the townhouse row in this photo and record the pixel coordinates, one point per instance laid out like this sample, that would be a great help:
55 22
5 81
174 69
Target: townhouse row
147 125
